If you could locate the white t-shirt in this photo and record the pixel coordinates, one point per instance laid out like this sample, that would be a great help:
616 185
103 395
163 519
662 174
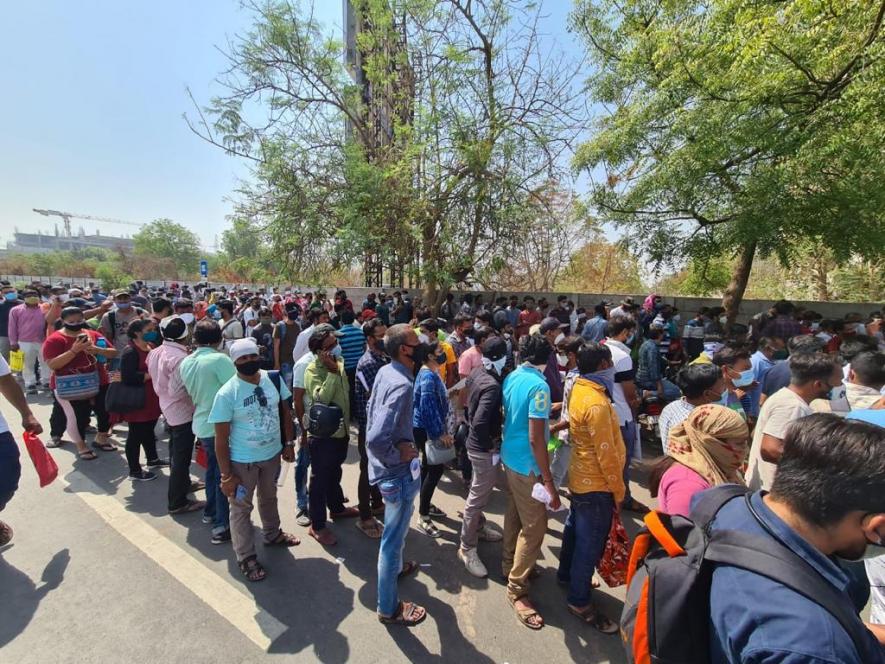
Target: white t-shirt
300 348
777 413
623 365
231 330
876 574
249 314
298 371
4 371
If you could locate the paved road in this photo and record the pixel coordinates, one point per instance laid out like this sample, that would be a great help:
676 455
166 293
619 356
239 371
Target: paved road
99 573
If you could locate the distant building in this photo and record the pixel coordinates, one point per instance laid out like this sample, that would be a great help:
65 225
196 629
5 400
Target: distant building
39 243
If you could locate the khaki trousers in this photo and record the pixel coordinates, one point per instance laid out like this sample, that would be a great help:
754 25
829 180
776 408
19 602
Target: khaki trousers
525 524
262 476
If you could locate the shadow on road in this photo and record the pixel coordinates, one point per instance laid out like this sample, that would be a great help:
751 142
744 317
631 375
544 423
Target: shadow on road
22 597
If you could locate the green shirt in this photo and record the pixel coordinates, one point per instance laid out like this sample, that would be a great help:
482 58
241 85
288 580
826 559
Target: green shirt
321 385
203 373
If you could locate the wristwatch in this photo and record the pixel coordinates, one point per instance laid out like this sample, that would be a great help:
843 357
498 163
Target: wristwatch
290 443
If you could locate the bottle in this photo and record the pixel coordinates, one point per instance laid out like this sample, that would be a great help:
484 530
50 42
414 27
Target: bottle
101 343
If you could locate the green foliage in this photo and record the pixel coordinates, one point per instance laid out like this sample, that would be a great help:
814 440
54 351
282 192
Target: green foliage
112 277
732 124
165 238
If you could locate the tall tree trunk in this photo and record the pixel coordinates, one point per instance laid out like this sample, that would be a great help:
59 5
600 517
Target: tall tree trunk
734 294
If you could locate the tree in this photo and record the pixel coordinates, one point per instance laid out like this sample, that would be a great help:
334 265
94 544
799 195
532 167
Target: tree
163 238
419 156
734 128
600 266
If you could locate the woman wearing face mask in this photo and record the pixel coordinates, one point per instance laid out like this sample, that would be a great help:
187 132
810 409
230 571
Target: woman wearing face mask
705 450
143 336
74 349
567 356
431 407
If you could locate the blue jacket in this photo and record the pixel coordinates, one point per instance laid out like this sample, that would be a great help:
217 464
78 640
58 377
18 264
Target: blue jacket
389 422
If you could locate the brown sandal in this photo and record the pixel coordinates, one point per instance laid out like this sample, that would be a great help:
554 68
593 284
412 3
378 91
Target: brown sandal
525 614
408 614
252 569
372 529
591 616
284 539
6 533
409 567
87 455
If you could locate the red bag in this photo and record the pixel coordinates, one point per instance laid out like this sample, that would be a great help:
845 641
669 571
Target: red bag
202 457
612 566
44 464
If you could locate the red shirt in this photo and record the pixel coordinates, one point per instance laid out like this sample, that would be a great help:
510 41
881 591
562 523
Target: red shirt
58 343
526 320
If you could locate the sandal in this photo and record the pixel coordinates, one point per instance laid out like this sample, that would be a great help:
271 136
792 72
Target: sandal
408 614
252 569
526 613
87 455
425 524
371 529
409 567
284 539
6 533
105 447
347 513
54 441
634 505
436 512
323 536
591 616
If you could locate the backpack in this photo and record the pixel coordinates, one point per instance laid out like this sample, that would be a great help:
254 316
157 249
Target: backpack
666 612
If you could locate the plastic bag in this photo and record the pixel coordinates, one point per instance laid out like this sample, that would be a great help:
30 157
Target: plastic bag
612 566
44 464
16 360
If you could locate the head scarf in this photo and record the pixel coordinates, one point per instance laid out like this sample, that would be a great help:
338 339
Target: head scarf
712 441
649 303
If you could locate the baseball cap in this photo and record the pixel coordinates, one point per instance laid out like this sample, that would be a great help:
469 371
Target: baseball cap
551 323
494 348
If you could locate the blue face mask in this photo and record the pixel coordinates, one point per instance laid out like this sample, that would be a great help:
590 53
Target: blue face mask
150 337
630 339
723 400
123 305
605 377
746 378
11 297
336 352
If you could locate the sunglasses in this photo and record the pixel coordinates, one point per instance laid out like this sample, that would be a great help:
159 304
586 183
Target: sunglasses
261 396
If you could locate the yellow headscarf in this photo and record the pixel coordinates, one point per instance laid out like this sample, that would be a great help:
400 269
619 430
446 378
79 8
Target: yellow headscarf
712 441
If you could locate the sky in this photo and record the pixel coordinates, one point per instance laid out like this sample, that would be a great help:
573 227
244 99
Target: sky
94 93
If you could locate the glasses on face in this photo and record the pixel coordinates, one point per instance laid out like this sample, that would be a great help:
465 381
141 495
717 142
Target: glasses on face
261 396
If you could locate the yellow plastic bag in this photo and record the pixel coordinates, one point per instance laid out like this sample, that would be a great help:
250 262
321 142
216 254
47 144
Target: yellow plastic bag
16 360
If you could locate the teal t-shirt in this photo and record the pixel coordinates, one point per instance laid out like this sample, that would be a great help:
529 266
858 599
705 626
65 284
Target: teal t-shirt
254 426
203 372
526 396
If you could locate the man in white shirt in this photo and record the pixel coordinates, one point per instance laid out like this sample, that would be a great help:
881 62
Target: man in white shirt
620 332
812 376
314 317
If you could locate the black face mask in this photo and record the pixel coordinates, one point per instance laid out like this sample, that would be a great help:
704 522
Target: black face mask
379 345
441 358
74 327
249 368
292 315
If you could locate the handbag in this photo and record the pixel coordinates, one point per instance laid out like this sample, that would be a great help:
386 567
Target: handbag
78 386
324 420
44 464
16 360
612 567
436 453
122 398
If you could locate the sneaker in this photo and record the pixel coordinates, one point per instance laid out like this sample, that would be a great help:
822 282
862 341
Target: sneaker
487 534
471 561
208 518
54 441
143 476
302 518
157 463
221 537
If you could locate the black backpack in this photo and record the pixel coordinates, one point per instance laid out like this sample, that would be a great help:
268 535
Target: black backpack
666 612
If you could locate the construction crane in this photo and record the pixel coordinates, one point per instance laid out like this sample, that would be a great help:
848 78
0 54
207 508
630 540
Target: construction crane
67 216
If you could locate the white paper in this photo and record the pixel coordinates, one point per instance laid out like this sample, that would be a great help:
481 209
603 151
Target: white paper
540 493
496 459
284 473
415 467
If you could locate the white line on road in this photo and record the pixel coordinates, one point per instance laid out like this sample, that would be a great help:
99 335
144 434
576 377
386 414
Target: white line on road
217 592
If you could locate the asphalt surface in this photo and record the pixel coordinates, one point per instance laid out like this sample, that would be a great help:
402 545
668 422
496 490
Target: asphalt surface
98 572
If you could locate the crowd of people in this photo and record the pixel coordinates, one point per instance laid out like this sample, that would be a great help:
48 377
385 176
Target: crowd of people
542 400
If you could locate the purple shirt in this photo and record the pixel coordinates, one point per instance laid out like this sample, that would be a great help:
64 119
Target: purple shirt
27 324
678 486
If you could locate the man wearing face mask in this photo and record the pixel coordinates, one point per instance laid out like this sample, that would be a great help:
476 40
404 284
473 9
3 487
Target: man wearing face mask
554 331
27 332
115 322
185 308
734 362
483 449
263 335
819 516
862 387
526 399
762 361
812 376
163 364
10 300
325 382
459 339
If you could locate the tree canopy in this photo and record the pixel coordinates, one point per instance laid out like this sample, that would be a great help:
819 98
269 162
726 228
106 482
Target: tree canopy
174 245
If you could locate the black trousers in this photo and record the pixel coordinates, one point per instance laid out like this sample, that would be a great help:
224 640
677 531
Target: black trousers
430 474
141 435
326 457
351 387
369 496
57 420
181 452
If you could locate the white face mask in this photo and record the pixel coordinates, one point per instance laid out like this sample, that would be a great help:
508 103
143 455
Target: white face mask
187 318
562 358
494 365
559 339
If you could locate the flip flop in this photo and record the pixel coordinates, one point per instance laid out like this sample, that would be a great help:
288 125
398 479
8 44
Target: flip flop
347 513
408 614
105 447
87 455
373 530
591 616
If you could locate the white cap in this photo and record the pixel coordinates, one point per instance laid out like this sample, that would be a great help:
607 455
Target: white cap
170 328
243 347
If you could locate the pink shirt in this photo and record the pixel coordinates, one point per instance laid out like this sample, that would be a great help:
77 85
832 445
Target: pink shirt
678 485
162 364
469 360
26 324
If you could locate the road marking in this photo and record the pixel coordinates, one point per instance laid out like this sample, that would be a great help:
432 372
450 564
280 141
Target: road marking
218 593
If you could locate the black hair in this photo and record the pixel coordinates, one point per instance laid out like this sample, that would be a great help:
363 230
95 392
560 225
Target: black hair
426 351
429 324
729 355
783 307
655 332
265 312
160 304
207 333
347 317
485 317
572 344
174 329
695 379
371 325
816 445
227 305
807 367
767 342
480 334
618 324
853 346
70 311
137 326
316 343
183 303
599 309
591 355
313 315
804 343
460 319
869 369
534 348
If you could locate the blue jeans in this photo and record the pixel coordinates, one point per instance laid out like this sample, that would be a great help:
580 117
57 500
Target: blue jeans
399 504
10 468
302 466
216 502
583 541
671 392
628 433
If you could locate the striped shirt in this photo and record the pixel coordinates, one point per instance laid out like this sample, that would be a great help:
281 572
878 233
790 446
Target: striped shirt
353 345
673 413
